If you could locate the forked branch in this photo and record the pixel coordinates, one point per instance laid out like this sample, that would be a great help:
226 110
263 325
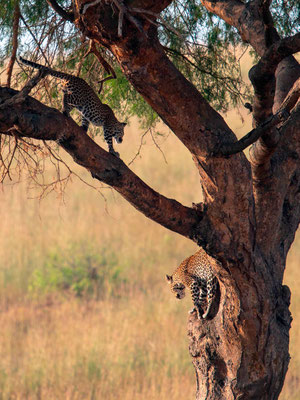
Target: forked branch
35 120
262 75
123 11
19 97
228 149
262 151
282 115
108 68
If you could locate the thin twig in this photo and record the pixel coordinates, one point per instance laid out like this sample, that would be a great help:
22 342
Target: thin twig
156 144
35 39
108 68
157 16
140 146
124 10
60 160
10 161
16 19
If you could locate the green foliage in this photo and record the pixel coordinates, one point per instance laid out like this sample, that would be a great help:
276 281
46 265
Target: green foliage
203 47
79 270
209 56
286 16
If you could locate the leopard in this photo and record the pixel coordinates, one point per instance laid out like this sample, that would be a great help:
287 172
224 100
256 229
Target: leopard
196 273
78 94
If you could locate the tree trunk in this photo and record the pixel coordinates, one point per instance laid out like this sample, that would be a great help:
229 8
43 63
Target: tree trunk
242 353
251 209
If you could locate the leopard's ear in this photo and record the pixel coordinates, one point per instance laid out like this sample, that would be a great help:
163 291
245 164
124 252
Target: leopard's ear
169 278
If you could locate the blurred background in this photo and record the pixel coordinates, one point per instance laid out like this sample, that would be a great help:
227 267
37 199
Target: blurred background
85 312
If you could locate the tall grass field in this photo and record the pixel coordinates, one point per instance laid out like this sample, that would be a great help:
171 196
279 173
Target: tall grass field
85 312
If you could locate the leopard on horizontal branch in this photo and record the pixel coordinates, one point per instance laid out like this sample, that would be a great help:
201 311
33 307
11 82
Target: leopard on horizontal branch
78 94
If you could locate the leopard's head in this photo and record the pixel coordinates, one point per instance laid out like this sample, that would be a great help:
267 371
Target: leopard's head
119 131
176 287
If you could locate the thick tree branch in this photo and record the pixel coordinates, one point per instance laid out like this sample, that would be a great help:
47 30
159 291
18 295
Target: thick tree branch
265 147
255 25
230 11
265 127
40 122
179 104
252 136
276 191
262 75
149 5
275 177
19 97
248 18
68 16
270 168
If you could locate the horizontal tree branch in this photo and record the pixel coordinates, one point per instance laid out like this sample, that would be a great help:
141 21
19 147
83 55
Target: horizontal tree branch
227 149
20 96
40 122
251 137
261 153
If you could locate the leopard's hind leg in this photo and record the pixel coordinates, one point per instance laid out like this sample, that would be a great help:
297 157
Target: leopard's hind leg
67 107
211 286
84 123
199 293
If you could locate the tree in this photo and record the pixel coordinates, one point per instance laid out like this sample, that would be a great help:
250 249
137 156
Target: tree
250 211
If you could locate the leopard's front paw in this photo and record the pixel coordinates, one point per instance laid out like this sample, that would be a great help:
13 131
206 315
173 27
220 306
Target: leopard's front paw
114 153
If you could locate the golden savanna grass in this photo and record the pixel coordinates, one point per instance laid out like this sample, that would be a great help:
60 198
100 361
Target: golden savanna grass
66 335
129 339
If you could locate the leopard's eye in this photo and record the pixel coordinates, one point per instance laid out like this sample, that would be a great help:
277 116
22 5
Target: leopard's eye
179 286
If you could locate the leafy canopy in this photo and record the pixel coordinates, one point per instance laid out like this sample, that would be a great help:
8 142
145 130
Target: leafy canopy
202 46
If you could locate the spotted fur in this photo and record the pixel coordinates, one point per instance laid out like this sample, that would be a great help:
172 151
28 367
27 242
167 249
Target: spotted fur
196 274
78 94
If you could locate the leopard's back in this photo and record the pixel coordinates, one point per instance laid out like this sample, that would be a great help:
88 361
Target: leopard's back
197 266
78 94
196 273
82 96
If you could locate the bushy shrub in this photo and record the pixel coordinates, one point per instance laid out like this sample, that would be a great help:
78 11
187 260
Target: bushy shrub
80 269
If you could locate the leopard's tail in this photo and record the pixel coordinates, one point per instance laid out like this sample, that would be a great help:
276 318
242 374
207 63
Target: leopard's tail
47 70
34 65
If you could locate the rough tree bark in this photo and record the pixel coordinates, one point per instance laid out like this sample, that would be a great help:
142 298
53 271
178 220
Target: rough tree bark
251 209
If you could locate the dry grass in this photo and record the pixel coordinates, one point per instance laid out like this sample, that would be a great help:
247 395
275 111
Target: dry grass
129 342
